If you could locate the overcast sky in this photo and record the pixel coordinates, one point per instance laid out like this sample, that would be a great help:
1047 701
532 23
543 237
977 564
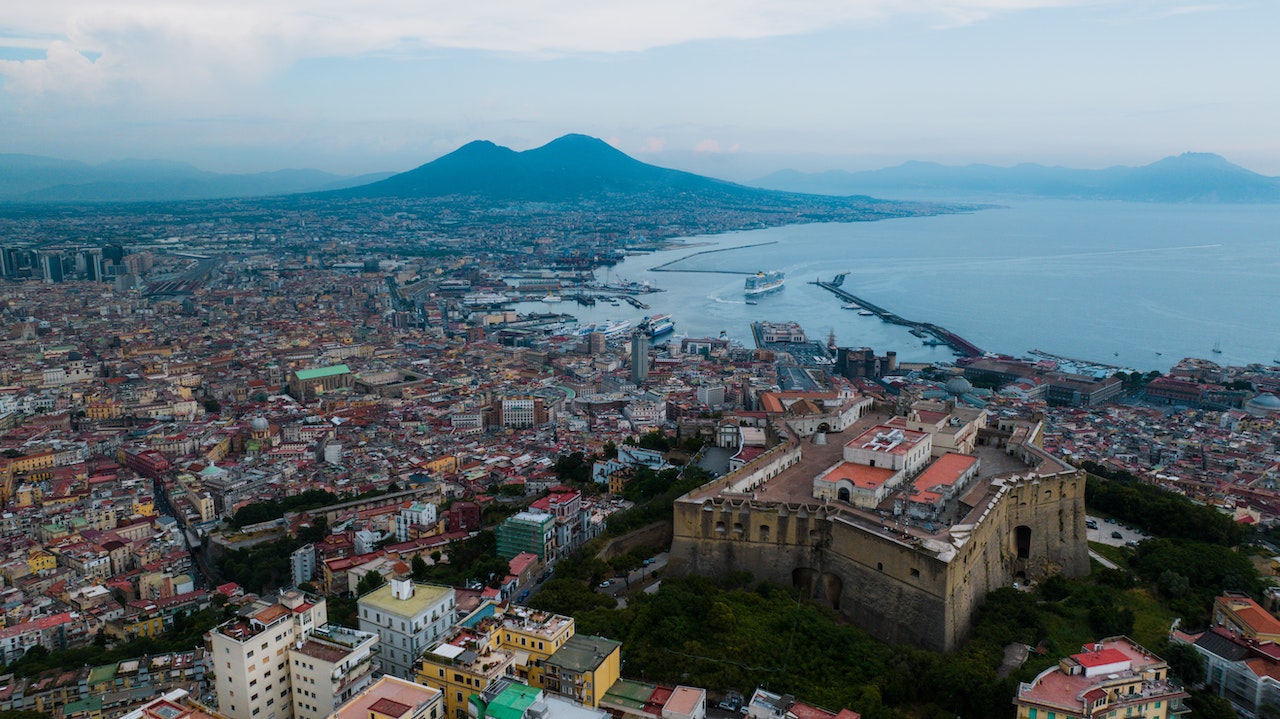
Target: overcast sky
728 87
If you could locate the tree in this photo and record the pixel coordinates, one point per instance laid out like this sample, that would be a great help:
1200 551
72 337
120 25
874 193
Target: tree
1207 706
369 582
1185 663
421 570
1173 584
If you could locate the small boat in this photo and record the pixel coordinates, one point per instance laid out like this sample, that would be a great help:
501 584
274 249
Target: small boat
851 306
865 313
752 302
1217 347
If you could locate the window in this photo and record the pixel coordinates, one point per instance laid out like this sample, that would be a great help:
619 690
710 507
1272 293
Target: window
1031 714
249 655
915 572
256 710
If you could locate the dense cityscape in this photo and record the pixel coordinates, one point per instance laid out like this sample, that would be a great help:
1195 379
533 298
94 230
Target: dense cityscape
229 429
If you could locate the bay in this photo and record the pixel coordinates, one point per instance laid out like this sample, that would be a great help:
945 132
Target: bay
1131 284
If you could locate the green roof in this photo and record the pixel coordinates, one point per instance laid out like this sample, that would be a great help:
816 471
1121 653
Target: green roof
318 372
88 706
583 653
512 702
104 673
629 693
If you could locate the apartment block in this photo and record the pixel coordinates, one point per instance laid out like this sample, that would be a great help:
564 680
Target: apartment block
408 618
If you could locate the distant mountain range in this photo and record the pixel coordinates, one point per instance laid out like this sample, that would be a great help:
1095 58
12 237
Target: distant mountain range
31 178
569 168
1190 177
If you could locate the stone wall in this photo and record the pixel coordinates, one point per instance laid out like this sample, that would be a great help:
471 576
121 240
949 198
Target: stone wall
898 588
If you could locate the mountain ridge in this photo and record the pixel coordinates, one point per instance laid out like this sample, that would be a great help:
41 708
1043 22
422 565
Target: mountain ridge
40 179
1187 177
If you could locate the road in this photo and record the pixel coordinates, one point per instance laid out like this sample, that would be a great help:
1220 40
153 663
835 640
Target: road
636 580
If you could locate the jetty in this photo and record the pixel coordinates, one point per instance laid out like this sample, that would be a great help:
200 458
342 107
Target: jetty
943 335
667 266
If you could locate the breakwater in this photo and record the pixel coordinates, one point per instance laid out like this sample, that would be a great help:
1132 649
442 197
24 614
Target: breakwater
943 335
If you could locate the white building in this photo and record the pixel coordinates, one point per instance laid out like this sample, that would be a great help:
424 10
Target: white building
328 668
281 660
417 513
408 617
302 562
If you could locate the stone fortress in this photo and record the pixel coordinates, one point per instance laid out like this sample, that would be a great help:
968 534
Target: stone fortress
901 522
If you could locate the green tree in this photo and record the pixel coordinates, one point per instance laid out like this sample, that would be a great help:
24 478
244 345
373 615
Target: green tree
421 570
1207 706
369 582
1185 663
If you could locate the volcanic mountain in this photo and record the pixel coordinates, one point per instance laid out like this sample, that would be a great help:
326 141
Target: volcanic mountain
573 167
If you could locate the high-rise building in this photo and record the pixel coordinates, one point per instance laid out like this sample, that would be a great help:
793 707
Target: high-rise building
281 659
51 267
639 357
408 617
302 562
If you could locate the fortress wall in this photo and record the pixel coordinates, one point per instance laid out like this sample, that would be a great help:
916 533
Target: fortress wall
898 593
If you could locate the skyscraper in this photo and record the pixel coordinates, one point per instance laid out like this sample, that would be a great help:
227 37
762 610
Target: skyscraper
639 357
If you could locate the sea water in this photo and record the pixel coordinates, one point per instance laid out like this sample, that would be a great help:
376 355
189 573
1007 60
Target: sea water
1130 284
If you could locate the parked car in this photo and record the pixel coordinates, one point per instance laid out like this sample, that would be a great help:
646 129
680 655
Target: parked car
1117 535
1091 524
606 583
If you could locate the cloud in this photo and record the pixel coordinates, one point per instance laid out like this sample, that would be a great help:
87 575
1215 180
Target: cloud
159 48
655 144
706 147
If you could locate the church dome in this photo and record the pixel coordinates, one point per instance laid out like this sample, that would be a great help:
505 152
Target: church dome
958 385
259 424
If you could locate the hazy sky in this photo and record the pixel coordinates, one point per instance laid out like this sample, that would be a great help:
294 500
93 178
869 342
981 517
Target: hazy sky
728 87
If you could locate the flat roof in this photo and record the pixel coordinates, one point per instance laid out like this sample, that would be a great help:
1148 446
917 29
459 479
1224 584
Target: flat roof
582 653
685 699
887 439
424 597
390 688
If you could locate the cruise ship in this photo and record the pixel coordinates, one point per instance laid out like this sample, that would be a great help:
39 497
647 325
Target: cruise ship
614 328
762 282
658 325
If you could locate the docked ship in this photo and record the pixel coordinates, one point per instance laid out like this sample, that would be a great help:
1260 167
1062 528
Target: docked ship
658 325
762 282
614 328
